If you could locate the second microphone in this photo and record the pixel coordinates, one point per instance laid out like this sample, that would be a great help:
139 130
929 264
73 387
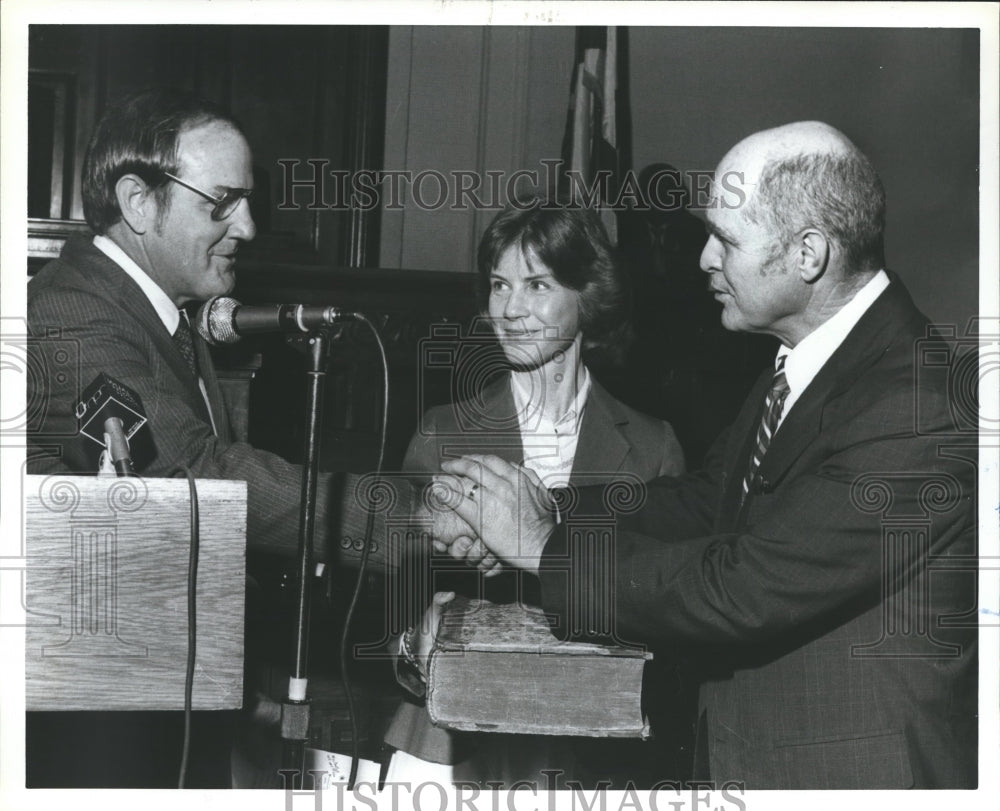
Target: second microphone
223 320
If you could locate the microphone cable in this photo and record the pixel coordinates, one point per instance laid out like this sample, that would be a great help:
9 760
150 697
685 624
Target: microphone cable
369 528
360 579
192 581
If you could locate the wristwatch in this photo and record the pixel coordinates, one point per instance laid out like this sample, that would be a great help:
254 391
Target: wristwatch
406 651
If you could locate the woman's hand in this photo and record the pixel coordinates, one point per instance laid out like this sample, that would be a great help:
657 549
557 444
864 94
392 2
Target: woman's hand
507 508
419 642
451 532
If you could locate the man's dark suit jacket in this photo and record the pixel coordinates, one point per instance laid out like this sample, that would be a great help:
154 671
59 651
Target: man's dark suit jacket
615 443
839 651
84 297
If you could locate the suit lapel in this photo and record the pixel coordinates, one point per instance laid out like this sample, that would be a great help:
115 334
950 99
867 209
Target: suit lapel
169 351
864 345
120 288
212 387
499 410
742 436
601 446
488 425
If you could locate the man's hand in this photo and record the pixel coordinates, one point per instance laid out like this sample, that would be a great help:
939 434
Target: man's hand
453 534
506 506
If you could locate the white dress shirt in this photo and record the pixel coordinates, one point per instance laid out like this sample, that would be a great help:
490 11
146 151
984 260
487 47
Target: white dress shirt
169 314
549 445
803 362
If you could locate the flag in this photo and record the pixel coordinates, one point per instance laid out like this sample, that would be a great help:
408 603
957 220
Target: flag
595 141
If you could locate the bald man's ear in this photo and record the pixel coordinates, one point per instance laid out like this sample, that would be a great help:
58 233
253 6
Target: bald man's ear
137 203
813 254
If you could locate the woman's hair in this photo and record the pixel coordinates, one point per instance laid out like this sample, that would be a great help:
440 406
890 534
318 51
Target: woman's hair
572 243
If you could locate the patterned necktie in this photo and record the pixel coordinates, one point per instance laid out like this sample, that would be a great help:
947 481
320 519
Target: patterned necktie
184 342
773 406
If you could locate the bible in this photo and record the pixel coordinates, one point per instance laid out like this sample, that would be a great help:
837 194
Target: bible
498 668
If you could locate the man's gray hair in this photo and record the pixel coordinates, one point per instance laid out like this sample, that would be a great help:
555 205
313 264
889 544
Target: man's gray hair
838 193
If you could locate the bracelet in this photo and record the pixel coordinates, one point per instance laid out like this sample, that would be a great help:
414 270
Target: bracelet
406 648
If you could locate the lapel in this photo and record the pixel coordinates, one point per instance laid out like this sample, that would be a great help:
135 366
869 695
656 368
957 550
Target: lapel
493 426
601 445
212 387
499 409
120 288
863 347
742 436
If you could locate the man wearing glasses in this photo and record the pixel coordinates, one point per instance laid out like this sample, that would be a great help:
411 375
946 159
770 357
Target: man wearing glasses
165 186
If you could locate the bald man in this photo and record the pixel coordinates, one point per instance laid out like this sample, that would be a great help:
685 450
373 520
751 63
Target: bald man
797 565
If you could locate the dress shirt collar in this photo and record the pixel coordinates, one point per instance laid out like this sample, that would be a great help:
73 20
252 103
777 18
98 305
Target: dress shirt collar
169 313
803 362
522 388
165 308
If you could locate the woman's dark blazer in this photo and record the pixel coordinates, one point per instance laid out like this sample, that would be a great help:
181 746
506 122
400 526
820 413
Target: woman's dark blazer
616 443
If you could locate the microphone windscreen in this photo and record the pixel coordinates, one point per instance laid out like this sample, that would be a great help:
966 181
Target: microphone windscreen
215 320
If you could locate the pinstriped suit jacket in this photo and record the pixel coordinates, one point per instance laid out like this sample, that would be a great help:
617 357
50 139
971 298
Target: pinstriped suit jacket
834 658
84 297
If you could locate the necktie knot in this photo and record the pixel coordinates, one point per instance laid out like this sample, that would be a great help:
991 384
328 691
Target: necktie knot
779 383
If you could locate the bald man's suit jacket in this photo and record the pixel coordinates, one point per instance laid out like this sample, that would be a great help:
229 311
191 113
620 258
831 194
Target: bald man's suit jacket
85 299
834 611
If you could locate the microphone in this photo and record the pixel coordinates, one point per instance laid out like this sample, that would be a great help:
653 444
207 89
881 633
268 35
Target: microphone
117 445
104 403
223 320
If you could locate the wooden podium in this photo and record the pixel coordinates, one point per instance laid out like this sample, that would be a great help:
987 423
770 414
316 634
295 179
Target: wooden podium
107 571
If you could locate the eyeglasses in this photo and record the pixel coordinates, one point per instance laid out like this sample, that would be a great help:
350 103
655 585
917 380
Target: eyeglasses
224 206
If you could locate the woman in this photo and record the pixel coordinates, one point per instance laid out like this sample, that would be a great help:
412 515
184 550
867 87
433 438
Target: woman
553 293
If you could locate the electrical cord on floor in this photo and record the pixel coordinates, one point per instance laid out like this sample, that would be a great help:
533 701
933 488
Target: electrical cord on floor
360 580
192 582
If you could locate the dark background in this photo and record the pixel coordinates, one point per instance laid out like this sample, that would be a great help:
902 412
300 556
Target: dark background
414 97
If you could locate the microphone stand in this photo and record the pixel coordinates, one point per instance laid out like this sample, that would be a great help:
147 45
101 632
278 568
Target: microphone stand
295 708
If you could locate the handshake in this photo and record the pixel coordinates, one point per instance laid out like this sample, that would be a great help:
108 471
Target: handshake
489 513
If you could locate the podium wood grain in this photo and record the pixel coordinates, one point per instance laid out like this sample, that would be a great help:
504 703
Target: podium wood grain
107 571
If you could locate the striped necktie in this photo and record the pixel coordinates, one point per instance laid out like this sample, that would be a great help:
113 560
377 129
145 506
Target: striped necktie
773 406
184 342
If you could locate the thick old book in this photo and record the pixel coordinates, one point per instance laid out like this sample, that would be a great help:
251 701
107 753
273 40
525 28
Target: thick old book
498 668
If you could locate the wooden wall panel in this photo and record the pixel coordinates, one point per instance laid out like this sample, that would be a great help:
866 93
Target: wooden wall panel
496 104
288 85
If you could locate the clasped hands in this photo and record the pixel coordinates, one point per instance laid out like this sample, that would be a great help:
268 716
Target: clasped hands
490 513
